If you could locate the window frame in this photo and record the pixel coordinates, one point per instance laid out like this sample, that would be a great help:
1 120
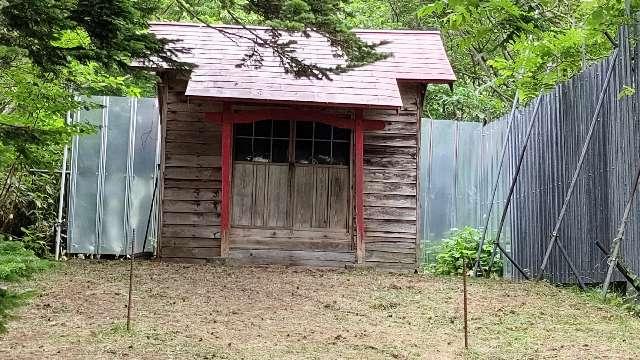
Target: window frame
293 140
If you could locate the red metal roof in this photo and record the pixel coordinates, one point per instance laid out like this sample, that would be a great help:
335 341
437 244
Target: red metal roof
416 56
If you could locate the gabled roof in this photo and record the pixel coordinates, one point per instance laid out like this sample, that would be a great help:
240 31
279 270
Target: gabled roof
417 56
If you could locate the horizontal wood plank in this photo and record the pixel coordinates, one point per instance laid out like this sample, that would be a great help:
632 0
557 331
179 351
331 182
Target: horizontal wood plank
407 152
391 115
390 200
187 148
294 257
194 136
372 187
392 247
207 161
389 213
390 257
184 116
390 162
390 140
390 175
190 252
389 236
327 234
195 106
183 206
191 194
190 242
171 218
192 173
291 244
191 231
391 226
199 124
192 184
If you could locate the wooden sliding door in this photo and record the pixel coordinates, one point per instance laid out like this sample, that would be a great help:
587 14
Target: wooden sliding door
291 175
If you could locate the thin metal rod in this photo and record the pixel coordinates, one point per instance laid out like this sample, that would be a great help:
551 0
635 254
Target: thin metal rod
63 180
505 144
497 247
151 208
565 255
624 269
133 241
554 235
613 258
464 299
514 180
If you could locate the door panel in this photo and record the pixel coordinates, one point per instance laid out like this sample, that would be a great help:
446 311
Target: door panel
278 212
321 208
243 184
304 185
260 192
339 187
291 175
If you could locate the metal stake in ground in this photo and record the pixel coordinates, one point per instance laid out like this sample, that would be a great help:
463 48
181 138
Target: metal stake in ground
512 186
464 300
554 235
613 258
133 242
477 267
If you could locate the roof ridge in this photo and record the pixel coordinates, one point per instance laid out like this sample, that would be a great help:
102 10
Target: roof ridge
231 26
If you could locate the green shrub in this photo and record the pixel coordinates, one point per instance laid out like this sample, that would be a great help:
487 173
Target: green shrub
16 263
462 244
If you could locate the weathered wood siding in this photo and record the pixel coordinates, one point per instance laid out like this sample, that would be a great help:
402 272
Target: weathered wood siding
191 194
390 188
191 177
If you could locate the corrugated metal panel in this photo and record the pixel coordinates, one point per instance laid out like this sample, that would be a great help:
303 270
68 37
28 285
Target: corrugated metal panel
603 186
113 174
417 56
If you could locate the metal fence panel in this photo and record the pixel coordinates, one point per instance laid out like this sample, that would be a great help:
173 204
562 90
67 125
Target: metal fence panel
561 127
113 176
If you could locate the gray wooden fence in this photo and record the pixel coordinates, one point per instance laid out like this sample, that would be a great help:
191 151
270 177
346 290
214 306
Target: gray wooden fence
561 127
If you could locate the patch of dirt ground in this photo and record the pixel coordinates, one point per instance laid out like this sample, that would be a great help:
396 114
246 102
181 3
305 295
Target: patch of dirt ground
219 312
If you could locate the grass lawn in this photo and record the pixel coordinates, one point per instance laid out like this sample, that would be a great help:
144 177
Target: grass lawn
211 312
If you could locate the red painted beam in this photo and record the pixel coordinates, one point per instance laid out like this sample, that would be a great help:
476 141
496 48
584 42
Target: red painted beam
226 160
334 119
359 186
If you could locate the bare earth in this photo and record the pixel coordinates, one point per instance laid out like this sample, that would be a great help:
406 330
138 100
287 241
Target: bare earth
217 312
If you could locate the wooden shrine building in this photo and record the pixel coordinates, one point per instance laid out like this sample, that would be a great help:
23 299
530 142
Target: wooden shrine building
264 168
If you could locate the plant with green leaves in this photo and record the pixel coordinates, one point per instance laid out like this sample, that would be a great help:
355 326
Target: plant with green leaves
528 46
461 247
16 263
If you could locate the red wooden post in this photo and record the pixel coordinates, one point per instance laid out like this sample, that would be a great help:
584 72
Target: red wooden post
227 139
359 185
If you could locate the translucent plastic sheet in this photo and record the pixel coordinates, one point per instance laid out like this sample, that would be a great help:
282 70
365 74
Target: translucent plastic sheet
113 177
458 169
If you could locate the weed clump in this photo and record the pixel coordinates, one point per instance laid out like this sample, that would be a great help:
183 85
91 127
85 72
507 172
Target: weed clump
16 263
461 246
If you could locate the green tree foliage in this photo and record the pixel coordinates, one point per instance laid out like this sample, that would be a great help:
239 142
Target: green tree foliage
498 47
528 46
51 52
